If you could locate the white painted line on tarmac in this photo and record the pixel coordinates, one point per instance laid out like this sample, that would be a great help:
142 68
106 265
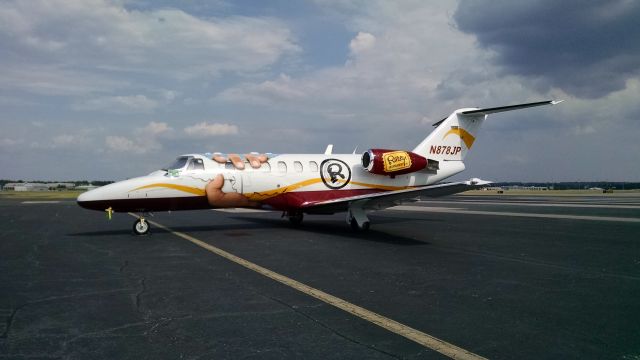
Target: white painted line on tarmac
240 210
41 202
541 204
424 339
516 214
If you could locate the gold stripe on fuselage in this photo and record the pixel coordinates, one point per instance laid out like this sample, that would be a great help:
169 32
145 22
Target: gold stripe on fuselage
263 195
187 189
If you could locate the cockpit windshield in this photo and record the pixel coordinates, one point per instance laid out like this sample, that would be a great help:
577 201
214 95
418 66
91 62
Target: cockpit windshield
178 164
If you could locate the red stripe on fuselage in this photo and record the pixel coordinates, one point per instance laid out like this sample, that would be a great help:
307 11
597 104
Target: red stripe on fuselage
298 199
286 201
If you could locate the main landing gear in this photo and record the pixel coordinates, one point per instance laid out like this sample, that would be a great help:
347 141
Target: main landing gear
141 226
357 218
295 217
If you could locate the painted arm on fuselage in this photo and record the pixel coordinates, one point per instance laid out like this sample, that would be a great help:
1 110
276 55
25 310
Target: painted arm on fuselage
218 198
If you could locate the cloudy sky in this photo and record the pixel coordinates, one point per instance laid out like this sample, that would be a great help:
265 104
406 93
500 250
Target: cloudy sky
94 89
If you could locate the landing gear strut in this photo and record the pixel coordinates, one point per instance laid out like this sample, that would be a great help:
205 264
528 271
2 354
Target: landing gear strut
357 218
141 226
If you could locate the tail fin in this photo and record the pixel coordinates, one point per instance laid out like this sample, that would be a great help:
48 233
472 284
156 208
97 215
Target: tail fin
454 136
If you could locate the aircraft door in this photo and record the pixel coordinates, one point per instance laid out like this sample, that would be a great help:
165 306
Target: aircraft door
233 182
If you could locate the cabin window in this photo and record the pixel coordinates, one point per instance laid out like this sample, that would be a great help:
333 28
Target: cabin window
297 165
196 164
313 166
265 167
282 167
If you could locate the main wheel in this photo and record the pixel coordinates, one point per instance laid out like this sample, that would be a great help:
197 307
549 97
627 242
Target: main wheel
141 227
354 225
296 218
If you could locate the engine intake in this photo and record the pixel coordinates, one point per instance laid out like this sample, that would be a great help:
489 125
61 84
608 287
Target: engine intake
395 162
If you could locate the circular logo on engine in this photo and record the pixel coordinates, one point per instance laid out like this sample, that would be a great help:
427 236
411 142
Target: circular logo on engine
335 174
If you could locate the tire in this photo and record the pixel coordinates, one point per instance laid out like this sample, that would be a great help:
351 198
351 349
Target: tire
296 219
141 227
354 225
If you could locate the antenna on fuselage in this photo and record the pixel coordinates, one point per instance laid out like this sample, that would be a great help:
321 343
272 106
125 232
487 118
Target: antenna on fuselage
329 149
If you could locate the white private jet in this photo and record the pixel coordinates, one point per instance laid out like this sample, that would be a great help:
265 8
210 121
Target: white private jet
306 183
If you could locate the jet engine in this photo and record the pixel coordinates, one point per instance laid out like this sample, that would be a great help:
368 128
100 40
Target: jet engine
395 162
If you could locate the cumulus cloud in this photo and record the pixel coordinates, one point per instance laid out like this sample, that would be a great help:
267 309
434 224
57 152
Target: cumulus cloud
263 93
144 139
119 104
404 64
64 140
588 49
102 39
394 68
124 144
362 42
156 128
205 129
8 142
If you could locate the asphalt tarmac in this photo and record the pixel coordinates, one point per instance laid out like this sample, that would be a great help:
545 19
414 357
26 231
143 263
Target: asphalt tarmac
499 277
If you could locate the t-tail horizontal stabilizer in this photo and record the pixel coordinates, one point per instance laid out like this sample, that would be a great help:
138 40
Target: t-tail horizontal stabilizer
494 110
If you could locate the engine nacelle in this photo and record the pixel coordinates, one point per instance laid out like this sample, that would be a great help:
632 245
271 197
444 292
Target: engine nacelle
395 162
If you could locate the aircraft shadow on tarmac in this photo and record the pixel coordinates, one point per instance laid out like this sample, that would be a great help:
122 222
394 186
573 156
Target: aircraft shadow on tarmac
336 228
250 224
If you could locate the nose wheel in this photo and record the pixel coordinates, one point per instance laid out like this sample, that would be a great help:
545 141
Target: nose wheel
141 226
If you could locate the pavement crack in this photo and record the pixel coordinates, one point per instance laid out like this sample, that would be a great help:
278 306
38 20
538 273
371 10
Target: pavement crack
12 315
334 331
164 321
9 321
143 288
124 266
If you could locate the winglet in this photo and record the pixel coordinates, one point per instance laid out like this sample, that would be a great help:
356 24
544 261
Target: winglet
478 182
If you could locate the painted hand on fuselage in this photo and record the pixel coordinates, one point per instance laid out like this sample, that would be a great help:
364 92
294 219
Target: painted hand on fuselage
255 159
215 195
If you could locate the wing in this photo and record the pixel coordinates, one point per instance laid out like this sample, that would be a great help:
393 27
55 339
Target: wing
387 199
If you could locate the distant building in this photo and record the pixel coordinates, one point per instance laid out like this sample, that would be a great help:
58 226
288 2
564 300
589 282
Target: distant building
86 187
11 186
520 187
31 187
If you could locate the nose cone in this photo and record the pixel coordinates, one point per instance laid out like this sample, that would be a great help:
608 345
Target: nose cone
84 197
90 199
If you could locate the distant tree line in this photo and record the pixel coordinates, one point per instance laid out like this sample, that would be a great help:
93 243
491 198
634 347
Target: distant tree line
576 185
571 185
76 182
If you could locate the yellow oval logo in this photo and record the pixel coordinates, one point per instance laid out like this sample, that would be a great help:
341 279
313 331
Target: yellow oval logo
396 160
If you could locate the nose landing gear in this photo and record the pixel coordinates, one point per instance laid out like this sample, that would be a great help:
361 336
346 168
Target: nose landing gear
141 226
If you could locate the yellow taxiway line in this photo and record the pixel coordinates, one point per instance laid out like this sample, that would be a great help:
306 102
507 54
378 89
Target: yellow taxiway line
426 340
